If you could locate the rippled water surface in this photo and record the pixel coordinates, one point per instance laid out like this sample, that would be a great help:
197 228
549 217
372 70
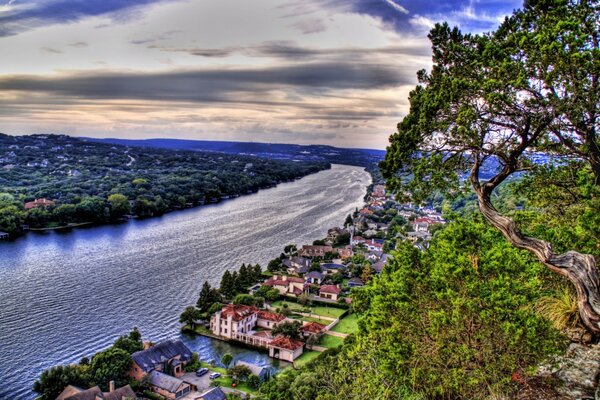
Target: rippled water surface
69 294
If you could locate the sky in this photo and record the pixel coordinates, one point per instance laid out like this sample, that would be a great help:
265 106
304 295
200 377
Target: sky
332 72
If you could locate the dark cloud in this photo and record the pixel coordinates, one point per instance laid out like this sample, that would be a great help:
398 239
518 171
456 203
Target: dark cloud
79 44
288 50
214 85
51 50
28 14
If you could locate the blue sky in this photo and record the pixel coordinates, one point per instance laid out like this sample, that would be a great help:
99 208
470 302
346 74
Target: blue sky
317 71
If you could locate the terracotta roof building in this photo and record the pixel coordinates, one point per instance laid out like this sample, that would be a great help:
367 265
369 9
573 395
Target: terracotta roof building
38 203
285 348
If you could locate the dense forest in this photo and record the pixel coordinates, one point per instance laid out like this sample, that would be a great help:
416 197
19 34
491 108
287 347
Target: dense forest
511 281
98 182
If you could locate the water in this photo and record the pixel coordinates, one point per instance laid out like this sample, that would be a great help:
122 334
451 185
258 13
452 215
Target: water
69 294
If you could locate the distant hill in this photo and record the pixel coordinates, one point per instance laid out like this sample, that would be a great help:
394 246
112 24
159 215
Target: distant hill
358 157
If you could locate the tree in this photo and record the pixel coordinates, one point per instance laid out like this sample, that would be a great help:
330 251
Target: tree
130 343
110 365
53 380
240 373
208 296
272 294
119 205
226 360
348 222
245 299
290 250
367 273
227 288
288 329
190 315
532 85
254 381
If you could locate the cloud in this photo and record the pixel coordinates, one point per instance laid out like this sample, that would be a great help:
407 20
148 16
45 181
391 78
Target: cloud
79 44
29 14
51 50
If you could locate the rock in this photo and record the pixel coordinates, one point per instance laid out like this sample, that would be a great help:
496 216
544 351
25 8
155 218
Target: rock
578 371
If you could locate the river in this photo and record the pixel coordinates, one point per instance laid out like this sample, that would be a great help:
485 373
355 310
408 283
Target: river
65 295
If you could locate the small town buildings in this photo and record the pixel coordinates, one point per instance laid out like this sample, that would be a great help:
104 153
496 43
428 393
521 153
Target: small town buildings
332 268
345 252
74 393
314 277
373 245
39 203
167 386
330 292
315 251
263 372
168 355
356 240
286 285
285 348
4 235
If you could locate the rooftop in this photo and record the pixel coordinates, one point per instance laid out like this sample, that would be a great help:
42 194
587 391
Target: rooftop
237 311
164 381
286 343
330 289
148 359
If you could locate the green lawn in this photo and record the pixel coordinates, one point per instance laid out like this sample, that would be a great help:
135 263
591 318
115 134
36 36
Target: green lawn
332 312
348 324
319 320
330 342
226 381
306 357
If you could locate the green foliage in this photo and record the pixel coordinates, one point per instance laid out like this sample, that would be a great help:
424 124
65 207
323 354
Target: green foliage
110 365
240 373
288 329
190 316
226 360
208 296
53 380
254 381
246 299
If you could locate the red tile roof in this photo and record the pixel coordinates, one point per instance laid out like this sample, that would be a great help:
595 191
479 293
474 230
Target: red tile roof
270 316
330 289
286 343
313 327
238 311
38 203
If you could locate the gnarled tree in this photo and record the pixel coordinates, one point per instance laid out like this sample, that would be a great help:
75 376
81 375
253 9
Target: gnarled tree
491 101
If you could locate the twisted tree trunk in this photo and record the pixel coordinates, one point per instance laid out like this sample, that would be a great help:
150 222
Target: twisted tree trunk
579 268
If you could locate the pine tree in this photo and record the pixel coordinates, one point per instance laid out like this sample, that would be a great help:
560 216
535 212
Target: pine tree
244 277
227 288
205 300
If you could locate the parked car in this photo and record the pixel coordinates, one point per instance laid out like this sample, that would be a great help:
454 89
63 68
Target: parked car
215 375
201 371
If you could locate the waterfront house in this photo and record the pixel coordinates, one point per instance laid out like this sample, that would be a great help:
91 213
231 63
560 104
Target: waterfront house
74 393
331 292
238 322
167 386
43 203
168 355
4 235
263 372
315 251
314 277
286 285
285 348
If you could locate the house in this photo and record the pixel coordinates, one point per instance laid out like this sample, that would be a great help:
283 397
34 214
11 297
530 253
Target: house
4 235
285 348
374 256
332 268
311 329
315 251
39 203
345 252
238 322
74 393
297 265
167 386
355 282
168 355
315 277
330 292
263 372
356 240
414 236
373 245
212 394
334 233
286 285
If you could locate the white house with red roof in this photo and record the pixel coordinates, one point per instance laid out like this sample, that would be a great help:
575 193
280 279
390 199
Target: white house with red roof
331 292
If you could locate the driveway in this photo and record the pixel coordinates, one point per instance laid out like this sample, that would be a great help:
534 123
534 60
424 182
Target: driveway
202 382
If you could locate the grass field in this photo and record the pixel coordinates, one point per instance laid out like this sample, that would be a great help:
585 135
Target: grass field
319 320
332 312
306 357
330 342
348 324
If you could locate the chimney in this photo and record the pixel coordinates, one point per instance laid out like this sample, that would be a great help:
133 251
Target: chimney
111 386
